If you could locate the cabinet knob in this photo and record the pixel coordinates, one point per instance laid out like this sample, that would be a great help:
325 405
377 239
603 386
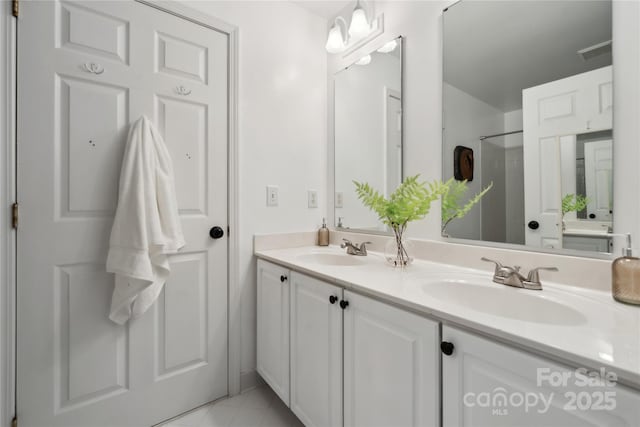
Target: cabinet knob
344 304
534 225
333 299
283 278
447 347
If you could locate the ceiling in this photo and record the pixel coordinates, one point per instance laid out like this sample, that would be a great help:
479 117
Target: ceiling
494 49
327 9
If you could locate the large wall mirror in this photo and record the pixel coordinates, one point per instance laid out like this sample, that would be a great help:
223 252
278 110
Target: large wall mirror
527 105
367 132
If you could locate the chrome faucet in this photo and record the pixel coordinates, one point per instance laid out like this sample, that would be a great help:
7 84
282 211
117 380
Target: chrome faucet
354 248
511 276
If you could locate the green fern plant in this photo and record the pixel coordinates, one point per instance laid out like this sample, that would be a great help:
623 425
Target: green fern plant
574 203
411 201
452 206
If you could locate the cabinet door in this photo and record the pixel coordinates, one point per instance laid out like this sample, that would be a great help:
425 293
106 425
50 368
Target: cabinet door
273 327
316 352
489 384
391 366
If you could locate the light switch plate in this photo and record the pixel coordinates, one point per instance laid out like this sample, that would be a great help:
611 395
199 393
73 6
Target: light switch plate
312 197
339 199
272 195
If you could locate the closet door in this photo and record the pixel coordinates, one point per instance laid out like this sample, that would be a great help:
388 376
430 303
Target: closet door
87 70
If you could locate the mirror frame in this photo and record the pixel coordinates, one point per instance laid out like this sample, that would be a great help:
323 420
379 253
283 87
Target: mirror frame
331 149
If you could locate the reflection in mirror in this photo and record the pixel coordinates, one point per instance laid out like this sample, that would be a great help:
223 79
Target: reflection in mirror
368 132
586 165
527 93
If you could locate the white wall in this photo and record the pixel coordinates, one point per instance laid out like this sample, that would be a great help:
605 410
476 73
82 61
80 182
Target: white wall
493 205
282 128
626 150
466 119
514 178
360 133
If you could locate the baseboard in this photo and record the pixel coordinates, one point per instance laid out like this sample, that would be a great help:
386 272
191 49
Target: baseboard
249 380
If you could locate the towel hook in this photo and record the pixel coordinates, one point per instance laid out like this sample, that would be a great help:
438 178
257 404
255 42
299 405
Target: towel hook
92 67
181 90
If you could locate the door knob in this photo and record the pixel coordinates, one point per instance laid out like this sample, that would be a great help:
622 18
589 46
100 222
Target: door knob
216 232
534 225
447 347
592 216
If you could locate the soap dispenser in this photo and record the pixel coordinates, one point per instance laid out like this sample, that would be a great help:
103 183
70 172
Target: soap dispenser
323 234
625 276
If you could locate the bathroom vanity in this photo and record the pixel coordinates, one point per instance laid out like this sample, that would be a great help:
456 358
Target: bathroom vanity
346 340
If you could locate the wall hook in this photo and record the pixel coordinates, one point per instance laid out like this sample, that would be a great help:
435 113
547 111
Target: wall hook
181 90
92 67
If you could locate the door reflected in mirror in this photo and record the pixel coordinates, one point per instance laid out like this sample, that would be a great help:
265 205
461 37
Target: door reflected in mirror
528 87
367 133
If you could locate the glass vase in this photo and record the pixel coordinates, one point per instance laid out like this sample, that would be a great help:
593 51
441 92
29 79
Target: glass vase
397 250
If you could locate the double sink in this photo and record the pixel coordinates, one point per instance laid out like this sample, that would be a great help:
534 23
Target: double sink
472 291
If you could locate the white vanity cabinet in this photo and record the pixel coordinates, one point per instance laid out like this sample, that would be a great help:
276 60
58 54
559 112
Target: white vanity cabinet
485 383
316 351
387 374
273 327
391 365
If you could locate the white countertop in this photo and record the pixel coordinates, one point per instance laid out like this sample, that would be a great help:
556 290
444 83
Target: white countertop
598 332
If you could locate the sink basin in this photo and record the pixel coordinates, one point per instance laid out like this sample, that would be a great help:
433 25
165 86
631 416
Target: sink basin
505 301
331 259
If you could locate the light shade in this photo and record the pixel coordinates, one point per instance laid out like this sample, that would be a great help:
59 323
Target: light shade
388 47
336 42
359 27
365 60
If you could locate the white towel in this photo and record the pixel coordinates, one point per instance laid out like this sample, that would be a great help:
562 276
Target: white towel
146 227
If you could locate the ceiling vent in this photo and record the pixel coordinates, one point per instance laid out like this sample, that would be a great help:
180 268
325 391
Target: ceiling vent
594 51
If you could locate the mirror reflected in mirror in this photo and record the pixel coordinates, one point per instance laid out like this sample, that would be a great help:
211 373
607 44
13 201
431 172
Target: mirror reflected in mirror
528 109
367 133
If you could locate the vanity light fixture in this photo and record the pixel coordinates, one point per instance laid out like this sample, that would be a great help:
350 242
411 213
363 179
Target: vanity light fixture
359 27
336 41
388 47
365 60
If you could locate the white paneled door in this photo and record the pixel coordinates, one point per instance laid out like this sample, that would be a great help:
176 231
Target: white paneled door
554 114
86 71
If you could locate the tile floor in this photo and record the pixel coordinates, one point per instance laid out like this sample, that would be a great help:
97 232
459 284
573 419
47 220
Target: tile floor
259 407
